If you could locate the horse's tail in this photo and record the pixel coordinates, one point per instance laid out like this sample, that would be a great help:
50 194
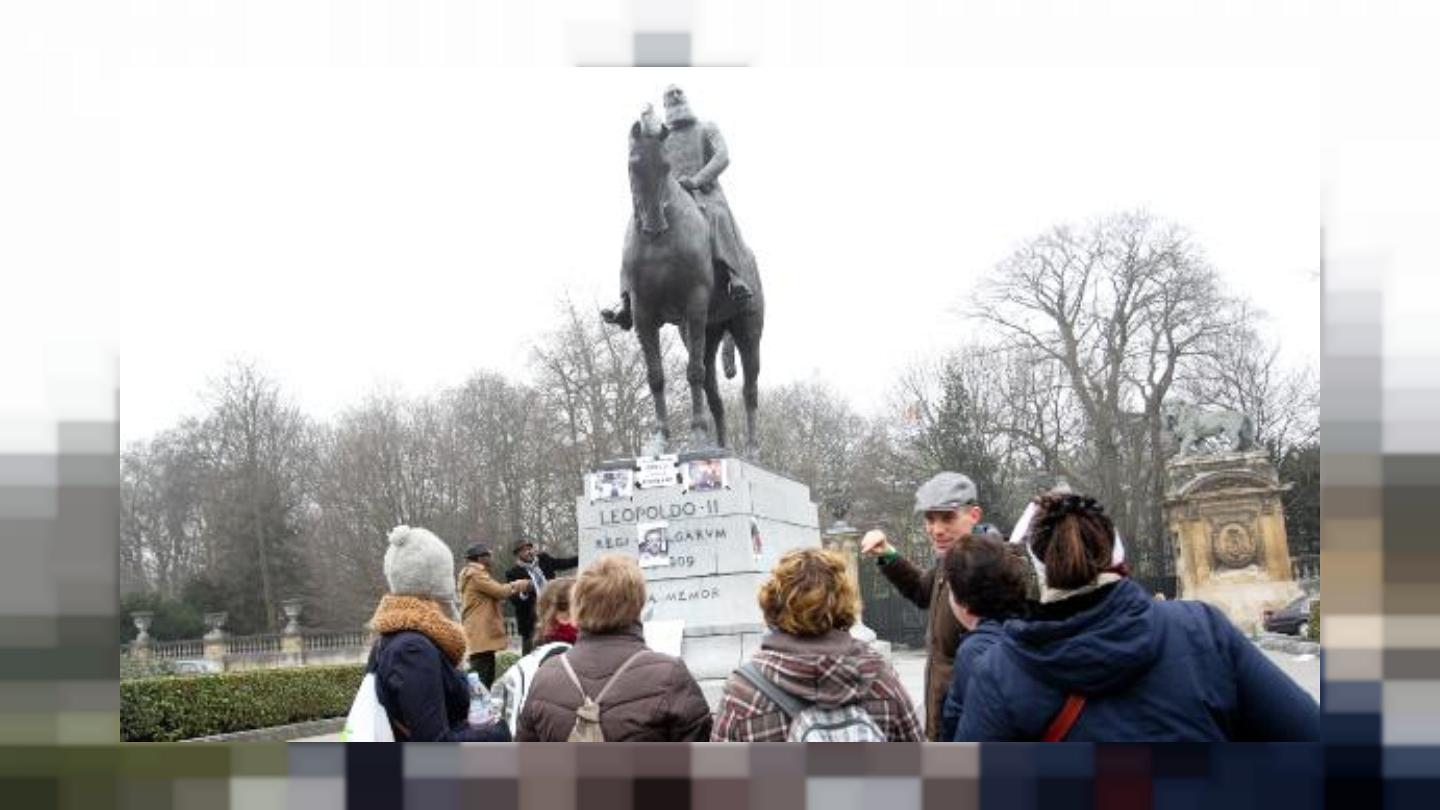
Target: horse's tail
727 356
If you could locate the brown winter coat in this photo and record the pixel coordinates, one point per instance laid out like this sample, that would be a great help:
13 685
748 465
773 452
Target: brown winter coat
480 600
929 591
655 700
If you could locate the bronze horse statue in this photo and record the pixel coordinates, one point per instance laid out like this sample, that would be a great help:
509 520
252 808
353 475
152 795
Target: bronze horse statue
668 262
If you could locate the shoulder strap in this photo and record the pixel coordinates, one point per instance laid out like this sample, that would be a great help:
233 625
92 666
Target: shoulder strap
565 661
618 672
788 703
1065 719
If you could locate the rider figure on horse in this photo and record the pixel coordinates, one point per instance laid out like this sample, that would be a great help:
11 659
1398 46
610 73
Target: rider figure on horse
697 155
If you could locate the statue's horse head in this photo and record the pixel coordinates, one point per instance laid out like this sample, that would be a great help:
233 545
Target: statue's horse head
649 171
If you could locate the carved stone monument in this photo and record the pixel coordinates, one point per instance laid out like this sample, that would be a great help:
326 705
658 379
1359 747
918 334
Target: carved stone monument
1225 519
706 529
685 264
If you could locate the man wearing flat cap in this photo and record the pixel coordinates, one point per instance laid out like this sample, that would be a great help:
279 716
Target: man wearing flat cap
480 597
538 570
951 508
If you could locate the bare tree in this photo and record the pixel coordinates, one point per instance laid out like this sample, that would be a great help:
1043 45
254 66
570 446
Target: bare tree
258 456
1120 307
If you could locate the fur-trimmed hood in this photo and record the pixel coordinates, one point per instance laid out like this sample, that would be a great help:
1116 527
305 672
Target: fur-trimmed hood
396 613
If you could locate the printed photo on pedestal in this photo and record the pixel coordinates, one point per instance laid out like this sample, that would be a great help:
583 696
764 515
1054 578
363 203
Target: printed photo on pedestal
654 546
653 473
612 485
705 475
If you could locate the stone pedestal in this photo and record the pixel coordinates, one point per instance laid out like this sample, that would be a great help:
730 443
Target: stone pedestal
719 545
1228 528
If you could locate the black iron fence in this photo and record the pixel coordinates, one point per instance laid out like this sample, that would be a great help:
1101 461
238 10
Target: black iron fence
893 617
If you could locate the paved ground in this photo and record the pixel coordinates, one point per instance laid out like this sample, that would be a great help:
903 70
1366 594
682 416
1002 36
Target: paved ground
910 666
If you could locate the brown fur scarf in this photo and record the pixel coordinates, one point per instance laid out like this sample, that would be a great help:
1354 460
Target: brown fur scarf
396 613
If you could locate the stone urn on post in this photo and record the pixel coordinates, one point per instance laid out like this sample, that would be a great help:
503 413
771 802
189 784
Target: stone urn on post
215 644
140 647
290 640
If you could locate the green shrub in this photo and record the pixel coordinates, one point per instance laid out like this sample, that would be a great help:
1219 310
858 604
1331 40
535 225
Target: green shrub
503 661
132 668
1315 620
171 708
173 620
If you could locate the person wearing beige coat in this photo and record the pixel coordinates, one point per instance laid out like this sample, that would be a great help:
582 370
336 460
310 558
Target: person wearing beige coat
481 598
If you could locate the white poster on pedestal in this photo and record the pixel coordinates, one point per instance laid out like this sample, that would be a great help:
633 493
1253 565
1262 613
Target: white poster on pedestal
665 635
659 471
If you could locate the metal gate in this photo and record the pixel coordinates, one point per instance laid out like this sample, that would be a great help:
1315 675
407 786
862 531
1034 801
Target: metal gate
893 617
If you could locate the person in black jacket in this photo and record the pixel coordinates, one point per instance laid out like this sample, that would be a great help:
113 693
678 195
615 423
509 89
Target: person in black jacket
1125 667
992 580
539 569
417 657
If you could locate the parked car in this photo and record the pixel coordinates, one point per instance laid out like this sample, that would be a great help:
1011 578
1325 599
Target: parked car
1293 619
195 666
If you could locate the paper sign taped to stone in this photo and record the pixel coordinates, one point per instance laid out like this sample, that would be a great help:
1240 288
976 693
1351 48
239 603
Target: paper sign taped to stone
656 472
665 635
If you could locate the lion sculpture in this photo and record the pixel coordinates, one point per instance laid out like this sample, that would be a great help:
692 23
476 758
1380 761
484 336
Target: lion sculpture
1190 426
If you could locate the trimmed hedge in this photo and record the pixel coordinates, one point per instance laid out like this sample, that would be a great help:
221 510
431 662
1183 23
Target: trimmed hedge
1315 620
131 668
166 709
179 708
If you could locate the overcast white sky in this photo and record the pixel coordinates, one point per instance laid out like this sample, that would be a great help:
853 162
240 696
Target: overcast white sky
348 229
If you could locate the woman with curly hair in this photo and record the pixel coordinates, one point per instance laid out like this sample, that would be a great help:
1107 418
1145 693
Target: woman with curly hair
1100 661
810 603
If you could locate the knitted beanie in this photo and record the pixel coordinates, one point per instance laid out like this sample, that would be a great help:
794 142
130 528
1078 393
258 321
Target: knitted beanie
418 563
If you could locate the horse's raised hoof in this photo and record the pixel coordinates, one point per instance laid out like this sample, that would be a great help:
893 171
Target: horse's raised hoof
617 317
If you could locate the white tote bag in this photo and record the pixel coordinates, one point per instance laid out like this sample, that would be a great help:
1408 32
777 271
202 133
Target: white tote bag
368 721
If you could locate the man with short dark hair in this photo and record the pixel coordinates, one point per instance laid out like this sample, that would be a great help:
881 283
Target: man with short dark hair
538 570
951 509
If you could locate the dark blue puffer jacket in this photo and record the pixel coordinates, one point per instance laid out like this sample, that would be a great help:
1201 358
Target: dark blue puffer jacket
972 645
1150 671
424 694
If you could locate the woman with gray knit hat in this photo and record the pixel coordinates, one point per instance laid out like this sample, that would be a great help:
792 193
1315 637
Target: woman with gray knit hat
417 657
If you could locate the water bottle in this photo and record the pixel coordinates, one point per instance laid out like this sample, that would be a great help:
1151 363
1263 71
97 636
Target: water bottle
480 712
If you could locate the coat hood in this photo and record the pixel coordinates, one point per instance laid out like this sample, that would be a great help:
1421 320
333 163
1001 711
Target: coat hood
1101 648
829 670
